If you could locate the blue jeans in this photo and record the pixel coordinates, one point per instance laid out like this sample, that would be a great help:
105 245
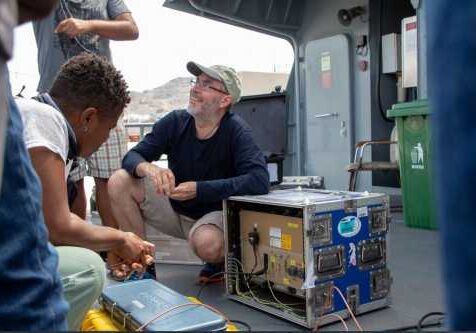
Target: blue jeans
452 91
31 296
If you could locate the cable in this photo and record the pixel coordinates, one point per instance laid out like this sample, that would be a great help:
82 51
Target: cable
316 327
163 313
414 327
348 308
67 14
264 270
256 299
214 275
428 315
253 296
217 274
274 296
420 325
255 254
248 327
351 313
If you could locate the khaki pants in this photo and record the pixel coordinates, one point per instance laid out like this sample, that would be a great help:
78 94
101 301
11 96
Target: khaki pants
158 213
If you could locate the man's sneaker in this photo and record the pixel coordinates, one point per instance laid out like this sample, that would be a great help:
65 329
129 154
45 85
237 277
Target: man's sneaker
211 273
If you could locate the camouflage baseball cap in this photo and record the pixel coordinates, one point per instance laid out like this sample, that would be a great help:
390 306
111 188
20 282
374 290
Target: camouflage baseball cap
226 75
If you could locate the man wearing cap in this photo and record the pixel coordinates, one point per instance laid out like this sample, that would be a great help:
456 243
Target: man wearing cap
211 156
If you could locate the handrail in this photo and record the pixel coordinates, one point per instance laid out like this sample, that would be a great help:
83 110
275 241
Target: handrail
141 126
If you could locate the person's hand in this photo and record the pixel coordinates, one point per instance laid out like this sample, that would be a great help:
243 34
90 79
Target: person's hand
162 179
148 253
133 249
184 191
134 255
73 27
119 269
122 271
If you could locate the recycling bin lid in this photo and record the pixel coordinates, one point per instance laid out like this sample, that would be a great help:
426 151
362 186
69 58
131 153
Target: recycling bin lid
415 108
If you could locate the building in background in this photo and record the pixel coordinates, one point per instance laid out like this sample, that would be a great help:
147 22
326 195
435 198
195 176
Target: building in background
257 83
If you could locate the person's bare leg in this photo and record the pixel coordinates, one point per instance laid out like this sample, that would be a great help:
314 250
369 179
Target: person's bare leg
208 243
103 203
125 194
79 203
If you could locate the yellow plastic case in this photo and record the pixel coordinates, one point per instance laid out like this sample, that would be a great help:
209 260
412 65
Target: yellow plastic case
99 320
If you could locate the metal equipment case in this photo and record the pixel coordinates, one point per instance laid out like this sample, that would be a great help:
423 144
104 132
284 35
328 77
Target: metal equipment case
288 251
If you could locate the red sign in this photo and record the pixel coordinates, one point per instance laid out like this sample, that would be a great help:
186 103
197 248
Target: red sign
411 26
326 79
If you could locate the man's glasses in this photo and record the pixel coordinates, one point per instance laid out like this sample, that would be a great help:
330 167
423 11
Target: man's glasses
205 85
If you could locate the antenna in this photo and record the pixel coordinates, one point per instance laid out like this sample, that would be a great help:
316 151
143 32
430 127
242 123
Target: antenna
21 91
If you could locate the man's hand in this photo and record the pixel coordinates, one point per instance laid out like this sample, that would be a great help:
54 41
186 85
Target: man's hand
162 179
73 27
184 191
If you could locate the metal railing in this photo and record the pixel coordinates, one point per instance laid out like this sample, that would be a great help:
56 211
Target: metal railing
142 128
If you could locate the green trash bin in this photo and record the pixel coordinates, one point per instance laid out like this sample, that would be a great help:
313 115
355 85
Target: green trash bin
414 138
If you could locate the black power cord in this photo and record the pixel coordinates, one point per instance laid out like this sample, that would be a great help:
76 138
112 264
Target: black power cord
253 239
421 323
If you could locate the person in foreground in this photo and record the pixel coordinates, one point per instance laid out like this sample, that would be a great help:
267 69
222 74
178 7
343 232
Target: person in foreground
453 123
211 156
74 119
31 293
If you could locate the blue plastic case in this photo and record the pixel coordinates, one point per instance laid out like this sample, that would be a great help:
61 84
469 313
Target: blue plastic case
136 303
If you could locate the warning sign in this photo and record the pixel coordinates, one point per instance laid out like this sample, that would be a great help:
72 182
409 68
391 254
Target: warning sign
326 72
286 242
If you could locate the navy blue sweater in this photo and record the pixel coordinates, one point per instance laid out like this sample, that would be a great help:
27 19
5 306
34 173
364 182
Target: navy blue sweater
228 163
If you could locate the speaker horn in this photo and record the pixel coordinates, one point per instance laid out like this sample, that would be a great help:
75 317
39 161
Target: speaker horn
345 16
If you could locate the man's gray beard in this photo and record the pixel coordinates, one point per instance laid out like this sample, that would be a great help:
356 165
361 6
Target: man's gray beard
202 117
190 111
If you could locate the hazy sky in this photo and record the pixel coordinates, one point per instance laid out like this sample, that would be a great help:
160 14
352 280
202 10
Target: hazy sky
168 39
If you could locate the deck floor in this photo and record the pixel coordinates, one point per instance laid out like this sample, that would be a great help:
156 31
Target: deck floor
414 261
413 258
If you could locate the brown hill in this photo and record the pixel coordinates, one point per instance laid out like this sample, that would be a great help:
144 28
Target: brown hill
148 105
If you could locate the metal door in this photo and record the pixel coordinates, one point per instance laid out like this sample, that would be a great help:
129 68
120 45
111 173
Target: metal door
328 110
